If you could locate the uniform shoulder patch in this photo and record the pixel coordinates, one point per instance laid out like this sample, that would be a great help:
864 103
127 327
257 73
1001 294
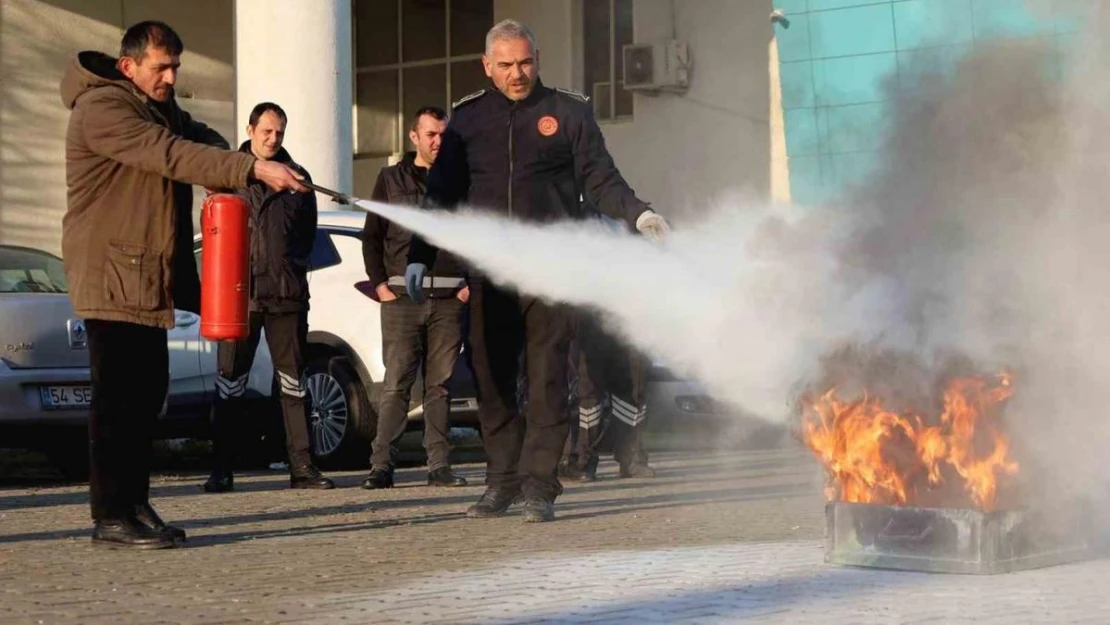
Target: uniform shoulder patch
468 98
577 95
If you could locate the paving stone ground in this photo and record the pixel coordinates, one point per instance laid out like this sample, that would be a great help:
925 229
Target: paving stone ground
716 538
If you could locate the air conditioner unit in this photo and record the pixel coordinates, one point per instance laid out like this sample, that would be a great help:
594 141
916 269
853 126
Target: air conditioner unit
656 66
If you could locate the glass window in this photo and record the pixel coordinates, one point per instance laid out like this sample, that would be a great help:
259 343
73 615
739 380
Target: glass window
376 97
423 29
470 19
391 85
466 78
26 270
376 33
607 26
424 86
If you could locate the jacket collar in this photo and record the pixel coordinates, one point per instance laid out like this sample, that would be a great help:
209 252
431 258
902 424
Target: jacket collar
538 92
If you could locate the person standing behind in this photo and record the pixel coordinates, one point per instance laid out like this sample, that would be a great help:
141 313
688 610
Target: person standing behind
410 330
284 228
612 389
131 154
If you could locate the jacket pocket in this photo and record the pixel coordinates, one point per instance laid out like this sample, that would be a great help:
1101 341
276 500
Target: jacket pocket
133 276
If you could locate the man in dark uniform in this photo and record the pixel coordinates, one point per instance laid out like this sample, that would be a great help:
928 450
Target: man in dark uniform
528 152
283 231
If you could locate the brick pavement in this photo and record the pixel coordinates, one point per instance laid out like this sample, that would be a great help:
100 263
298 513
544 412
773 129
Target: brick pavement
716 538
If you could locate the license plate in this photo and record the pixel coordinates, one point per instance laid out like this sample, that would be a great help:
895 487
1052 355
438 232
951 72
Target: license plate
60 397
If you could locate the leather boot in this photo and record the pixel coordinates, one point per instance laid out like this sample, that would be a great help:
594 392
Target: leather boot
220 481
444 476
129 533
379 478
145 514
306 475
494 502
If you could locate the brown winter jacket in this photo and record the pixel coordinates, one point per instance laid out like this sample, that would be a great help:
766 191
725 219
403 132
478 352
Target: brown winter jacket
123 156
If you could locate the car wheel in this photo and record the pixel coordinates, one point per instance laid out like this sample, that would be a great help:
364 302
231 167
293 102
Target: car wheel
341 421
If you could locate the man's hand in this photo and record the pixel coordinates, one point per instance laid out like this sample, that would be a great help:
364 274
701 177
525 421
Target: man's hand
653 226
414 281
463 294
277 176
385 294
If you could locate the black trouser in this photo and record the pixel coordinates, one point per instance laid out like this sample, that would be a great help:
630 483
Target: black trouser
286 335
612 385
502 323
130 369
432 329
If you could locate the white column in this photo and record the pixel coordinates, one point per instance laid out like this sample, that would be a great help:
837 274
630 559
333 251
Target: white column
297 54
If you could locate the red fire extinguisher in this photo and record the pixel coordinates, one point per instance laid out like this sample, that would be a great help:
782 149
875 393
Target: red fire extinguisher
225 268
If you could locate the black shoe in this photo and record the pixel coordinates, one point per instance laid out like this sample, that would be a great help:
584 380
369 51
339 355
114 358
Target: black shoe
145 514
129 533
444 476
637 470
538 510
378 478
586 475
308 476
220 482
493 502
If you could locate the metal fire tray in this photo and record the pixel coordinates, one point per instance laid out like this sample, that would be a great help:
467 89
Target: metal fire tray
951 540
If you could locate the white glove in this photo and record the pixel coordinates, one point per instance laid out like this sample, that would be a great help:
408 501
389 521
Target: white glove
653 226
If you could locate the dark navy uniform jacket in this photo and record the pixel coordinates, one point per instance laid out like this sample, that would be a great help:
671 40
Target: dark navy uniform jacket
532 160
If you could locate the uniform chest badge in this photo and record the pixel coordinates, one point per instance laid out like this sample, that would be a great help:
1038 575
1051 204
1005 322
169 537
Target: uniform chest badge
547 125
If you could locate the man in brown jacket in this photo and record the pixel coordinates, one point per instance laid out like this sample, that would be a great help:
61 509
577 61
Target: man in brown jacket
131 154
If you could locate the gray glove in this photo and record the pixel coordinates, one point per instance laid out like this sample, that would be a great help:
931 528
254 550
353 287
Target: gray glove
653 226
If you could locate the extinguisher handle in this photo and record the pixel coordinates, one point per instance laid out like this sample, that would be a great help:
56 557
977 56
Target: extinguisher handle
341 198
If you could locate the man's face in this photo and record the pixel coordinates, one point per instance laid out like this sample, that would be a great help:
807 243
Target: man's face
512 65
427 136
266 136
154 74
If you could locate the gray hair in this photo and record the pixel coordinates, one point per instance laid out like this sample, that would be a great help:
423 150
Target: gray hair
509 29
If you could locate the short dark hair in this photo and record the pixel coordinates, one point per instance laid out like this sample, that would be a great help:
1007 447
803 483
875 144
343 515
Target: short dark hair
150 34
261 109
435 112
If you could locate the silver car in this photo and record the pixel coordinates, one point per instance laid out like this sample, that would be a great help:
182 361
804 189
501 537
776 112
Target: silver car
45 391
44 361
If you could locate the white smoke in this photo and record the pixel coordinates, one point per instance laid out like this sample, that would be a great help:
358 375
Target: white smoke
722 301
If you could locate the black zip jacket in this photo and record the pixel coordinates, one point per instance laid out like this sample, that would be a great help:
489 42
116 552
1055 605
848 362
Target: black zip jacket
531 160
385 245
283 229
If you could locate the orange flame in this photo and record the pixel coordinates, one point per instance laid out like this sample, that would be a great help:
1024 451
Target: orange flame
873 455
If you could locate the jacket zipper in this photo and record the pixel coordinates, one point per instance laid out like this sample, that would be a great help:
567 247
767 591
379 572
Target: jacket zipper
512 112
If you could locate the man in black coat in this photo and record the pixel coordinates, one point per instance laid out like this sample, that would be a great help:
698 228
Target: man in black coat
283 228
428 331
528 152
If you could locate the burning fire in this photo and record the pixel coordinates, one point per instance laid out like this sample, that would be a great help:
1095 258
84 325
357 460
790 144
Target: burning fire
874 455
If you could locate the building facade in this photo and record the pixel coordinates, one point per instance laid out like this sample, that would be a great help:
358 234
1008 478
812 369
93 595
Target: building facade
789 109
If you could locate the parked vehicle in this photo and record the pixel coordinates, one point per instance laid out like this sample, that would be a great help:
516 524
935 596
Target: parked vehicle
344 364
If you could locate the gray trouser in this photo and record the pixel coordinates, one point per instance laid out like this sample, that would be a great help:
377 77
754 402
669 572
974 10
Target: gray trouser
431 329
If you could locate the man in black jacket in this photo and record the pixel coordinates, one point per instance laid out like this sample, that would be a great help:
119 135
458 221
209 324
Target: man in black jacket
283 228
409 328
528 152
